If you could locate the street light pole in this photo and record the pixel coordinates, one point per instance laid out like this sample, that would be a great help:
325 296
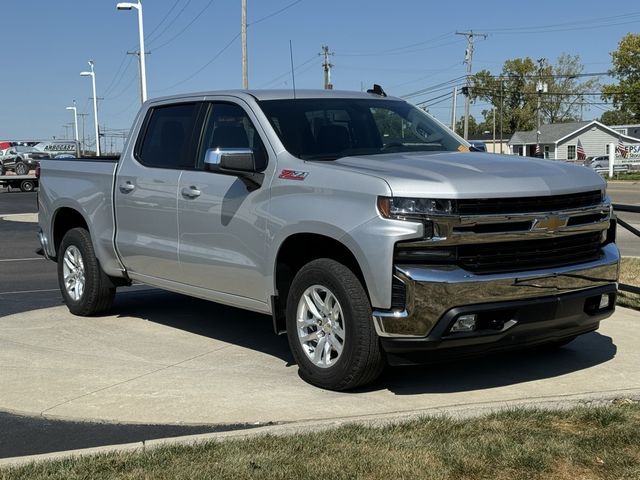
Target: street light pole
243 29
75 118
92 74
143 69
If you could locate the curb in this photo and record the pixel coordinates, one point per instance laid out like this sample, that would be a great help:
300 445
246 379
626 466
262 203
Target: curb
460 411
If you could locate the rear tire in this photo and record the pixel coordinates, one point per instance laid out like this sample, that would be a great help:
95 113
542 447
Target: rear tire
21 168
330 327
86 289
27 186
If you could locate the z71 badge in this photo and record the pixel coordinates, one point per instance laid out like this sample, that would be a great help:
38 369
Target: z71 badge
293 175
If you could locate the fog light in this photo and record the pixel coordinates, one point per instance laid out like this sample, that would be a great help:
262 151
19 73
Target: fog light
604 301
464 323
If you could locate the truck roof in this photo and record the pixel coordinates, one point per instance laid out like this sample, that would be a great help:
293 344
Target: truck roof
278 94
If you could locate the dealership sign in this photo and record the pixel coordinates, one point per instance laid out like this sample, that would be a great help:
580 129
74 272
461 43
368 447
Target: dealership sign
632 151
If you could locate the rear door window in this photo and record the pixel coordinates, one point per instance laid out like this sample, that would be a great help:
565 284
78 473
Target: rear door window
167 140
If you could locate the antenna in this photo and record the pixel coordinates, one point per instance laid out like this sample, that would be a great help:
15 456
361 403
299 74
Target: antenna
293 75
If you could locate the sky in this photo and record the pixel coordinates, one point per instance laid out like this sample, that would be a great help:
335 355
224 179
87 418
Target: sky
405 46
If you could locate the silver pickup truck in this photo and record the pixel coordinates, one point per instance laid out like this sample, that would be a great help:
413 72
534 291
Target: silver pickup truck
368 231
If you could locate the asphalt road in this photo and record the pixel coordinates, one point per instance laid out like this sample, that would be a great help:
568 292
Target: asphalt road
627 193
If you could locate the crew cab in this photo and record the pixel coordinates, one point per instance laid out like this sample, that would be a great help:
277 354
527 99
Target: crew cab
368 230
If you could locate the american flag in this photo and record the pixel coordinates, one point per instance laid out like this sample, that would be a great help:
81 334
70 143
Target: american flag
581 154
621 150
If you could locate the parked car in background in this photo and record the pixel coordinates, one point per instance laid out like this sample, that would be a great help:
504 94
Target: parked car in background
478 145
601 165
601 161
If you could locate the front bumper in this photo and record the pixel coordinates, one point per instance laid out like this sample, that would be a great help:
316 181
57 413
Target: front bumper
432 292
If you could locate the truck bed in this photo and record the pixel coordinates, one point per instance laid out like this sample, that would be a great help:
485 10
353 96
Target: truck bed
85 185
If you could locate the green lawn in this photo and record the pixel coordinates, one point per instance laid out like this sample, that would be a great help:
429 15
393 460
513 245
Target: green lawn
624 176
630 274
582 443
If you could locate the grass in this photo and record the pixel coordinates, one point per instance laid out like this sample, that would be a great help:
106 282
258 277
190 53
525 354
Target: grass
581 443
629 274
625 176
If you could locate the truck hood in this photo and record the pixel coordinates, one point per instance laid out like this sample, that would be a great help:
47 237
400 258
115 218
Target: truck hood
473 175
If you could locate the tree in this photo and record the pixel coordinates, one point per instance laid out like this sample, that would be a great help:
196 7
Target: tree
516 90
625 95
616 117
474 128
565 100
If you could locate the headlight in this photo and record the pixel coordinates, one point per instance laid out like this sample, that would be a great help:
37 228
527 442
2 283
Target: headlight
413 208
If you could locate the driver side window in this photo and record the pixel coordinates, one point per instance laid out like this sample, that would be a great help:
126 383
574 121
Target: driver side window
229 126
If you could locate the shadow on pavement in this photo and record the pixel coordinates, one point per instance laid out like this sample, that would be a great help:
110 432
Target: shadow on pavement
499 370
35 435
239 327
254 331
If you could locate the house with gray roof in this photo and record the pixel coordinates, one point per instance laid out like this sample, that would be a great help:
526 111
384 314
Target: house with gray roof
560 140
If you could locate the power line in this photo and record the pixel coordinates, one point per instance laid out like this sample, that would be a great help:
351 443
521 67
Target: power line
119 80
215 57
220 52
434 87
392 51
601 22
175 18
155 29
448 94
186 26
124 58
288 72
277 12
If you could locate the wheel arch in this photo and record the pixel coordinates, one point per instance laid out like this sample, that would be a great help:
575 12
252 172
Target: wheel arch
65 219
294 252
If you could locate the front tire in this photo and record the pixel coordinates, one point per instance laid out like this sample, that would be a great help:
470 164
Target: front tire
330 327
86 289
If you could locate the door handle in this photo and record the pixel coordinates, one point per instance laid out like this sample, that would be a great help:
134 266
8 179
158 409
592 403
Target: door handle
191 192
127 187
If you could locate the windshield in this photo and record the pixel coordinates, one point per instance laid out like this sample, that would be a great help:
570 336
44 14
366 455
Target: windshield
327 129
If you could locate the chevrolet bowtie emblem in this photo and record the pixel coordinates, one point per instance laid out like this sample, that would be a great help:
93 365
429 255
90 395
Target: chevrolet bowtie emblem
550 223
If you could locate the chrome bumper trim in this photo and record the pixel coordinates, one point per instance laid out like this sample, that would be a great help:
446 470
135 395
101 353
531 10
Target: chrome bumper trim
433 290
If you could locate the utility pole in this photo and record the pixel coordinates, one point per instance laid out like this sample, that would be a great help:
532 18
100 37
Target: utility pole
468 59
501 109
83 145
143 93
326 66
454 107
494 129
541 88
245 67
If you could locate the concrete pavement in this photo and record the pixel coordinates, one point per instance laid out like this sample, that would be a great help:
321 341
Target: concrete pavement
169 359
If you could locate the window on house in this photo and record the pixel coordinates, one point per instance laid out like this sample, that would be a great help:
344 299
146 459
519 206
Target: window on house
546 151
571 152
606 149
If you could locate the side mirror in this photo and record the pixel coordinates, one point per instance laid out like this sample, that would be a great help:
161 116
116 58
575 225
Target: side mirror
232 159
239 162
